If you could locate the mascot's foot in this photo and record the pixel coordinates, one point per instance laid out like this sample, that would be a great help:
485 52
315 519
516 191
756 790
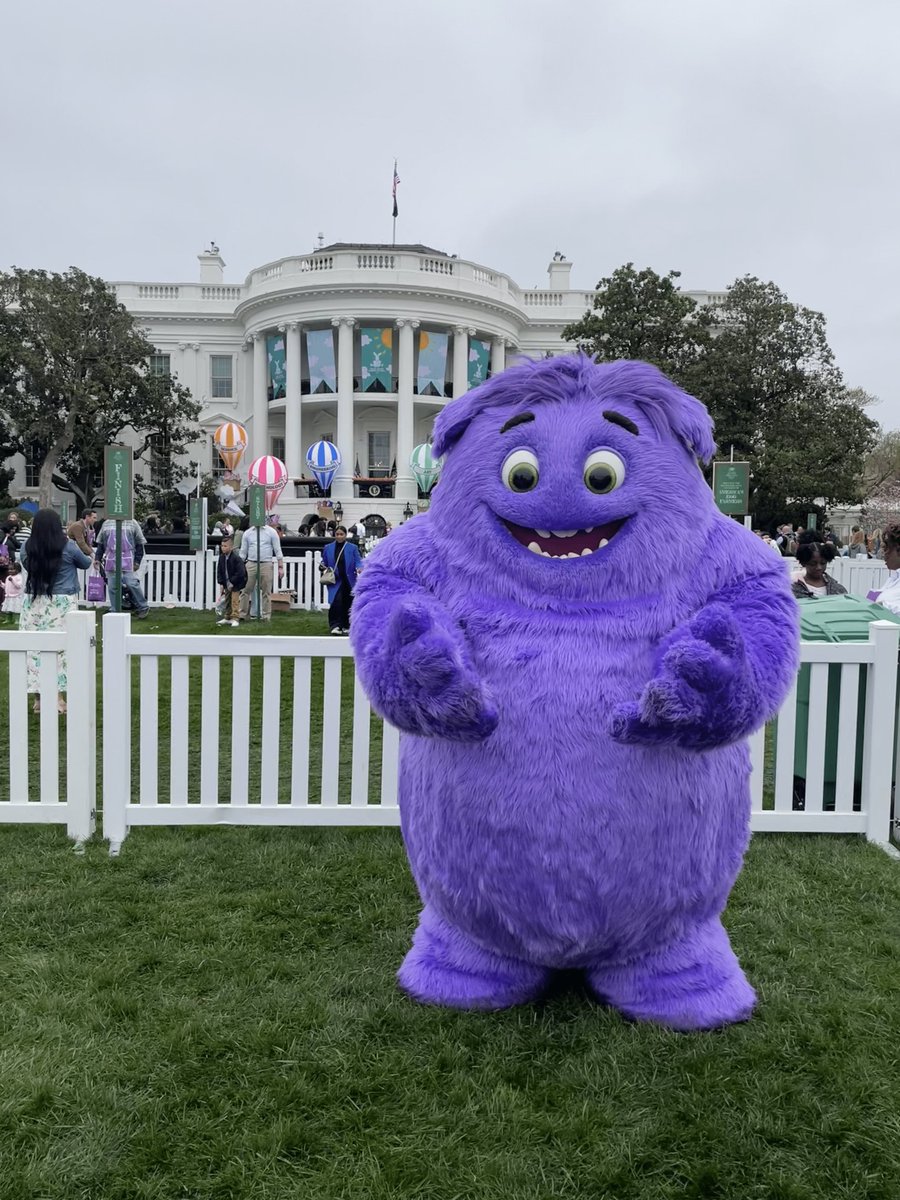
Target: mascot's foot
445 967
696 983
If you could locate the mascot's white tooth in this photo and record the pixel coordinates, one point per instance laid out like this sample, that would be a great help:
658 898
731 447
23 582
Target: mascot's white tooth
542 532
586 551
590 529
535 547
603 542
546 554
563 532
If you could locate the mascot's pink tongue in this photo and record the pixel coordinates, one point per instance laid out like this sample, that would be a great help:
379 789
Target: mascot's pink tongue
576 544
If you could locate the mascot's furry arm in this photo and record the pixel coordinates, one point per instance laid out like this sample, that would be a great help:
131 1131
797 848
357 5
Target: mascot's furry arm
411 655
720 677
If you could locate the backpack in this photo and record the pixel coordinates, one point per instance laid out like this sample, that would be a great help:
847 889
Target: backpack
109 558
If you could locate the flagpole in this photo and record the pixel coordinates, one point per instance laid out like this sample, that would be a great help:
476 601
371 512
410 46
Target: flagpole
394 183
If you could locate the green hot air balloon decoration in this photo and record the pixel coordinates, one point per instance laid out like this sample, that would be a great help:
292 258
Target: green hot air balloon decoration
425 466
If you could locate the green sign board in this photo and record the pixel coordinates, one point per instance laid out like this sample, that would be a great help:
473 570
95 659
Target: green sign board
811 519
197 518
117 462
64 512
257 505
731 487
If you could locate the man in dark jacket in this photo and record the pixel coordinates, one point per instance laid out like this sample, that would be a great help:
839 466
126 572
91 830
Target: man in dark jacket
231 574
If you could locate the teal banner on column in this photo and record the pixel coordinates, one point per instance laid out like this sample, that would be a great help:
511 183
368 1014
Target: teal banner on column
376 357
479 361
432 370
275 356
320 356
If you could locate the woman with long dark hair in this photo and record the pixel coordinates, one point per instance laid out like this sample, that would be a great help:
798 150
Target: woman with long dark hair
51 590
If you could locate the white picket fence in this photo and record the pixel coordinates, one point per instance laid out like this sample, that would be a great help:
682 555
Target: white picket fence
263 772
50 764
859 575
251 731
189 581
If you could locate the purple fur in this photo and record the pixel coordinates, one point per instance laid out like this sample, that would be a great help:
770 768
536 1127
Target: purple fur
574 775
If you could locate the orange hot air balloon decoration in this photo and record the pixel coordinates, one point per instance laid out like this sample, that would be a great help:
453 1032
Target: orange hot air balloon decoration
230 440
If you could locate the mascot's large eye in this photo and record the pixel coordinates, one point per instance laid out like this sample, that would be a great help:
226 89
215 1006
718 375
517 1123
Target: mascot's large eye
520 471
604 471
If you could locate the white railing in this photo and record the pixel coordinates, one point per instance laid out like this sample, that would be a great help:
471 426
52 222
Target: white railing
224 292
366 262
50 769
544 299
278 749
317 262
839 789
859 575
845 788
157 291
189 581
305 748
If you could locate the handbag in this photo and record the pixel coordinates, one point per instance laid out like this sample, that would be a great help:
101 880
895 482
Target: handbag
328 573
96 587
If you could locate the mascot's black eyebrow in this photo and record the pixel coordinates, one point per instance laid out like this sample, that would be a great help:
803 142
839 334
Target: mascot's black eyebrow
519 420
618 419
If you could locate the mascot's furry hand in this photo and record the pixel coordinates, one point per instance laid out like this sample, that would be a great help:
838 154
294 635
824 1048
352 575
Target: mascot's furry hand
428 685
703 694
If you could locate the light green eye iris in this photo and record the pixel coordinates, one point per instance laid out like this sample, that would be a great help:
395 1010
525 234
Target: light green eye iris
520 471
604 471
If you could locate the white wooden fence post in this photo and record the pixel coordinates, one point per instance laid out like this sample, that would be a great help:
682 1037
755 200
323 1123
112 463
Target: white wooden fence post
878 746
199 580
81 741
116 729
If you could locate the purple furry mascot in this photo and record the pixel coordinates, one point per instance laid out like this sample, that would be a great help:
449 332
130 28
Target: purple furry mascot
576 644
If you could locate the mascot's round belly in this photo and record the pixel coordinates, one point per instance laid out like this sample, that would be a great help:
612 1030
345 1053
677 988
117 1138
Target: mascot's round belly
552 842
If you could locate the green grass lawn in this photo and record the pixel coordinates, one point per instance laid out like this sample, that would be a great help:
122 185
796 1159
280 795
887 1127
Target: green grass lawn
214 1015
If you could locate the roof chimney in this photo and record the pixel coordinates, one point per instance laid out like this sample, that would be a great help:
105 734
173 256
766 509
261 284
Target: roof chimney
559 271
212 265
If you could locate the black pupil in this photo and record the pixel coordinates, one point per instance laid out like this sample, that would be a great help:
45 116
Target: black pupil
600 479
523 478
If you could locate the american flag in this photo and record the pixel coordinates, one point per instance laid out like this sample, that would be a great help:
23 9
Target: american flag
394 188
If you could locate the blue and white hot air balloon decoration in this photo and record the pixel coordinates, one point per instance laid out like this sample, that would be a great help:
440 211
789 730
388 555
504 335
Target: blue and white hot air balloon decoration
425 466
323 460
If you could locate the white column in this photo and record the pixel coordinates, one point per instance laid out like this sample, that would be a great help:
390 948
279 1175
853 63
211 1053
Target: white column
293 437
260 432
342 487
405 487
498 355
461 337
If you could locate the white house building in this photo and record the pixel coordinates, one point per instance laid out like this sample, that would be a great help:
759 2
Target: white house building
357 343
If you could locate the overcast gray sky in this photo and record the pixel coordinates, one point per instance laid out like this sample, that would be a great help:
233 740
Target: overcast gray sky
718 137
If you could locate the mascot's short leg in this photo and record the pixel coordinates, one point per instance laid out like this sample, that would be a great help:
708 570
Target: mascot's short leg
695 983
445 967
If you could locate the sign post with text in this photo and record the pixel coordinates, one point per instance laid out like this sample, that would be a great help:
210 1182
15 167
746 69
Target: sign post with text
117 486
731 487
257 520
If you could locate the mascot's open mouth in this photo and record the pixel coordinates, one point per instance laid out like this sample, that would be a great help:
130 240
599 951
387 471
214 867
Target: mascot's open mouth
565 543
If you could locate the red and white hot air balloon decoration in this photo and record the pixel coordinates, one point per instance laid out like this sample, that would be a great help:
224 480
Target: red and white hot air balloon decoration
272 474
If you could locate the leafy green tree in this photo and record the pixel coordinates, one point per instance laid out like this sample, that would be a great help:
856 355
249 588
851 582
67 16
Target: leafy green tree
882 465
74 378
763 367
643 315
770 380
